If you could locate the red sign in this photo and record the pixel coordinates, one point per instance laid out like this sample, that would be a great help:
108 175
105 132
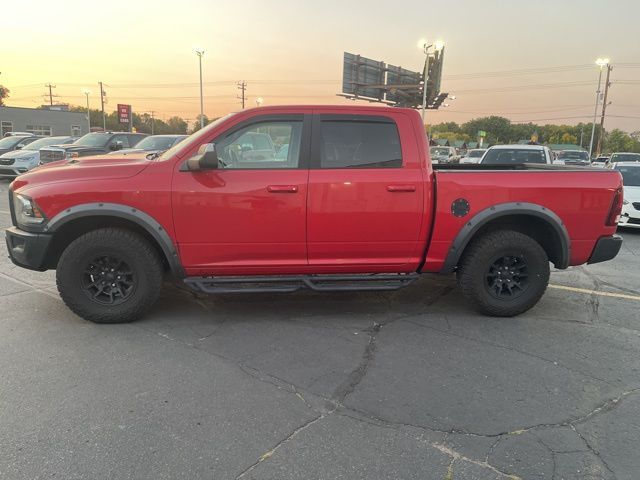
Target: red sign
124 113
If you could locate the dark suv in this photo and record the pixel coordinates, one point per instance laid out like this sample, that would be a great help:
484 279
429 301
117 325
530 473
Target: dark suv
97 143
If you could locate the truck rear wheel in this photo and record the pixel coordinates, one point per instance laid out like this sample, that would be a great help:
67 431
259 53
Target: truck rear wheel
504 273
109 275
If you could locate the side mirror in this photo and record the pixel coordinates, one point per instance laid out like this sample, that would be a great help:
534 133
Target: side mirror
19 147
205 159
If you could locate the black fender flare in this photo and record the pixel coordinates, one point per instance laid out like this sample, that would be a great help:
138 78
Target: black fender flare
485 216
133 214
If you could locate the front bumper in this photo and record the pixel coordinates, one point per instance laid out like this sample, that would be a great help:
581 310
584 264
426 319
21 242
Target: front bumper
606 248
12 172
28 250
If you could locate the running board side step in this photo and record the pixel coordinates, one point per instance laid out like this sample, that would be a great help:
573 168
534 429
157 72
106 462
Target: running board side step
292 283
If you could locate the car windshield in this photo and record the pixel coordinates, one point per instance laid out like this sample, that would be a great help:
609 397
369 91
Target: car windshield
195 137
439 151
9 142
630 175
506 156
625 157
573 155
475 153
156 143
45 142
97 139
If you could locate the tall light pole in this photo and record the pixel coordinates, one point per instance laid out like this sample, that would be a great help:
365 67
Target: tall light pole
424 46
200 52
87 92
601 62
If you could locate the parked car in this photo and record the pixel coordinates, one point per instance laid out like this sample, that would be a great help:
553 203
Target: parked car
153 144
516 154
473 156
444 154
573 157
624 157
602 161
15 142
356 205
631 206
17 162
97 143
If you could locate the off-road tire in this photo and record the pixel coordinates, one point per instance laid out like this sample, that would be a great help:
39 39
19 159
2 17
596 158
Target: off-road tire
482 254
140 257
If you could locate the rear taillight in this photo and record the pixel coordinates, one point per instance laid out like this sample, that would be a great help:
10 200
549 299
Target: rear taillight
616 208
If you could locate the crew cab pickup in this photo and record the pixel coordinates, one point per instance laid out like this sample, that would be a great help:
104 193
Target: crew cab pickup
343 198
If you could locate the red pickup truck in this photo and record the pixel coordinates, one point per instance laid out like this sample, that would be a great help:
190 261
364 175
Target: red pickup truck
275 199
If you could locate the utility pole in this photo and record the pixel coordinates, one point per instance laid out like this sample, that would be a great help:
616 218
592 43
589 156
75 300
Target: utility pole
607 84
104 119
601 62
50 93
242 86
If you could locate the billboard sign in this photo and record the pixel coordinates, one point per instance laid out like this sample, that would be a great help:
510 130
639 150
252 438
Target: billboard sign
124 113
363 77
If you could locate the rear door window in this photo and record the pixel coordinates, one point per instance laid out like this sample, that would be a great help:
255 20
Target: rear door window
360 142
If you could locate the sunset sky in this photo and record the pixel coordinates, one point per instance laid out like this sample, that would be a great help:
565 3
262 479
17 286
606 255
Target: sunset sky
291 52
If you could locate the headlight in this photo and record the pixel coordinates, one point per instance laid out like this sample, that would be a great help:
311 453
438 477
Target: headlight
625 202
27 212
72 155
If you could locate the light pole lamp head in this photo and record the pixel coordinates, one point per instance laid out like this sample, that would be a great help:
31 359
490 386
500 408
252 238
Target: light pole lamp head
439 45
601 62
86 91
199 51
259 101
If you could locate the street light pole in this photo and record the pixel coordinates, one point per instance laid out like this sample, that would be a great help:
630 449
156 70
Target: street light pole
200 52
601 62
87 93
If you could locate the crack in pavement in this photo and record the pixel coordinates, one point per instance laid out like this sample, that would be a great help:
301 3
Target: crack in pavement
455 456
593 450
273 450
507 347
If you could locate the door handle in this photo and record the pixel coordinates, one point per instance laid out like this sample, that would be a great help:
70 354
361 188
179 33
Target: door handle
401 188
282 188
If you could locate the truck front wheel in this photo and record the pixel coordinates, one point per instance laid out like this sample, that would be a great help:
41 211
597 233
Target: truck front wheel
109 275
503 273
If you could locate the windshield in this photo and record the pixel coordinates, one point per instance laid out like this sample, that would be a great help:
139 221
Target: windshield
97 139
156 143
45 142
625 157
475 153
630 175
9 142
573 155
195 137
506 156
440 151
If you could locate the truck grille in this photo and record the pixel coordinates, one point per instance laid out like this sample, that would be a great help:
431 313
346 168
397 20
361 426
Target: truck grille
47 156
634 221
636 205
7 161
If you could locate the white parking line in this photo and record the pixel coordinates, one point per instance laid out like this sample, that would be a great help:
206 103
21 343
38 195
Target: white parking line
597 292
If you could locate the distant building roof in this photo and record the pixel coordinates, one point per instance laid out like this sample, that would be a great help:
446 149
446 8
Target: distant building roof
472 144
459 144
443 142
564 146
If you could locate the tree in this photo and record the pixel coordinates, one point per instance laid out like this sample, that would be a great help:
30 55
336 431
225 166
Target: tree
619 141
196 123
498 128
177 125
4 94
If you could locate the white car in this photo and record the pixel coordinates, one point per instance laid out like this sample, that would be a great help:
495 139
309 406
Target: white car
473 156
443 154
516 154
20 161
630 171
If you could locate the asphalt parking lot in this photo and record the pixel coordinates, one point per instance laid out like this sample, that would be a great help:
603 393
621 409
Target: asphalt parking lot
404 385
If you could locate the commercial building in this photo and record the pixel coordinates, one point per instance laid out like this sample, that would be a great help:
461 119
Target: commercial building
42 121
